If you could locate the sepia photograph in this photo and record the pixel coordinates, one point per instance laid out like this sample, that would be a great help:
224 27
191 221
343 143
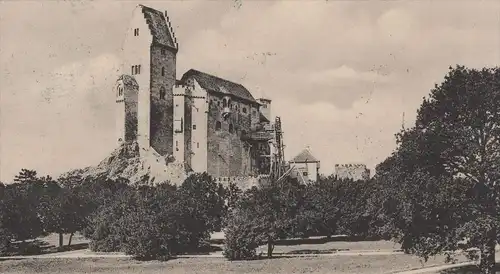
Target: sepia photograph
250 136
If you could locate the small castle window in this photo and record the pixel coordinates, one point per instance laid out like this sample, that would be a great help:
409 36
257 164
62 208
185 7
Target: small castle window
136 69
194 127
244 110
197 145
231 130
304 173
162 93
224 102
163 71
136 32
218 125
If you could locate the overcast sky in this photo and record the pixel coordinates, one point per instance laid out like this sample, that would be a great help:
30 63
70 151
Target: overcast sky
340 74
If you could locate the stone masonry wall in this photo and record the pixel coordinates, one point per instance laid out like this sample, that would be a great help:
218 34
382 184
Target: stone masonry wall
161 129
130 98
228 155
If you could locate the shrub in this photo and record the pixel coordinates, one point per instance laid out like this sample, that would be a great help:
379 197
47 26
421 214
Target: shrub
241 241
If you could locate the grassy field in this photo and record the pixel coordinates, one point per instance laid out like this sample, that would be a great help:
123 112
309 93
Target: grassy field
323 245
465 270
334 264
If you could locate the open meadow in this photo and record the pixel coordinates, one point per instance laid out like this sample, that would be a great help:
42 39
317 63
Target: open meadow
331 264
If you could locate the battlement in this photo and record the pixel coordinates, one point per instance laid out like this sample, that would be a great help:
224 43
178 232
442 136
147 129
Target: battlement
350 165
244 182
169 26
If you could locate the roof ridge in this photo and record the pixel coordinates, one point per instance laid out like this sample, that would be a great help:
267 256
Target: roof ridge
220 78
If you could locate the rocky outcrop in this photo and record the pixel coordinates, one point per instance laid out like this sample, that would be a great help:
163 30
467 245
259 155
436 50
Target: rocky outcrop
137 165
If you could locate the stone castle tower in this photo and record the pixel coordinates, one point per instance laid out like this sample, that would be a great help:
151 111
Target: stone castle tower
207 123
144 92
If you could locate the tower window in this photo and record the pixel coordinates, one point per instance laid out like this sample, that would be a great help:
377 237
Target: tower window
231 130
120 91
163 71
162 93
194 127
218 125
136 32
136 69
197 145
244 110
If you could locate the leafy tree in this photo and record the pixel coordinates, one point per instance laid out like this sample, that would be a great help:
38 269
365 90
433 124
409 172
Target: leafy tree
63 211
448 169
264 215
202 201
319 214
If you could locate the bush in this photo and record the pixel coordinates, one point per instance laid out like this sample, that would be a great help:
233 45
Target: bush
241 242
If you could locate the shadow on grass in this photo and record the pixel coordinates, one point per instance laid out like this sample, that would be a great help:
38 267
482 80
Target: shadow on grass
38 247
324 240
315 240
316 251
471 269
201 250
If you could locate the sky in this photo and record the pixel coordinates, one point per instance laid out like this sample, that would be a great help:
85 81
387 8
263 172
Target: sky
340 73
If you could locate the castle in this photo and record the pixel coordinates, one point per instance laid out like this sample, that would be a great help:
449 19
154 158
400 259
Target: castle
205 122
354 172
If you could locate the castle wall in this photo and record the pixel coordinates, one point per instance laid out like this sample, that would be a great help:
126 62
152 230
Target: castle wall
308 171
120 115
199 128
265 109
179 97
131 107
352 171
227 154
135 51
163 73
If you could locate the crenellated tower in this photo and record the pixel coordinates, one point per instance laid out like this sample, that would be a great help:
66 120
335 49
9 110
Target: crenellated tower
149 58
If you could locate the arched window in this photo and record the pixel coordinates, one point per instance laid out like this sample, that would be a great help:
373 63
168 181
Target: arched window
163 71
224 102
218 125
244 110
162 93
231 128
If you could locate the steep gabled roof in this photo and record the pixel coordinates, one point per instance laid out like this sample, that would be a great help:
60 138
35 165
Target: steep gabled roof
305 157
216 84
160 27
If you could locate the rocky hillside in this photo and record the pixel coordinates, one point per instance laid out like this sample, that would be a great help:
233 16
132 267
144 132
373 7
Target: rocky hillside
137 165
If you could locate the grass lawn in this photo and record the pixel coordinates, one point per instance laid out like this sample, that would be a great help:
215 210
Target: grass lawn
324 245
334 264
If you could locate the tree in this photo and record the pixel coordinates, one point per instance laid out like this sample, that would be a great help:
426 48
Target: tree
63 210
320 211
453 149
264 215
202 201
